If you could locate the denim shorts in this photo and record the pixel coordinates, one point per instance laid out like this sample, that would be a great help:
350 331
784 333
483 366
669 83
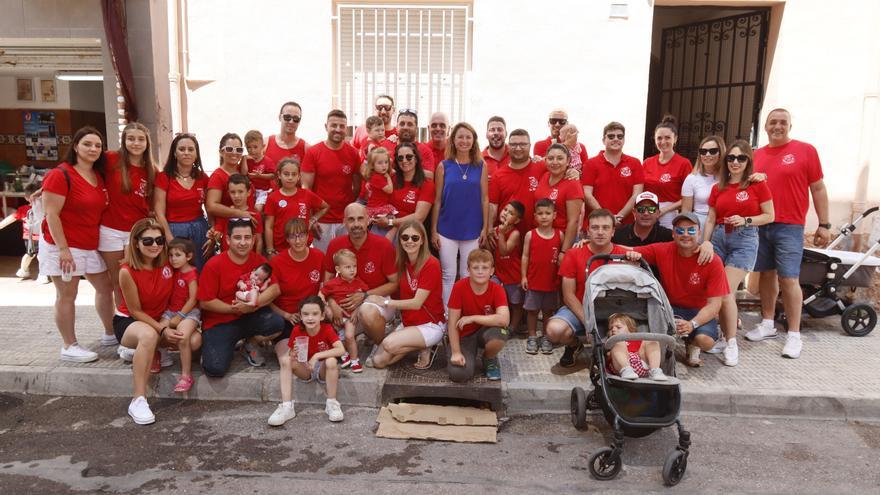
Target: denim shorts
710 328
737 248
780 248
194 314
568 317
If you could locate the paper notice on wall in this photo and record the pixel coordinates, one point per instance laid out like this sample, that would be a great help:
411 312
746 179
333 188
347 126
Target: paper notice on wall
41 139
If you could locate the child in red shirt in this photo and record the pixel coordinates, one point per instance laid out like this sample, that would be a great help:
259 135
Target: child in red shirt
540 273
183 312
288 202
628 358
508 259
337 290
375 136
238 187
261 168
31 236
378 187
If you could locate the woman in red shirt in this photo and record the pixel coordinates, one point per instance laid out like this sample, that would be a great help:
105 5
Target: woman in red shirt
146 281
129 178
566 194
737 207
218 203
74 199
666 171
179 197
420 304
413 192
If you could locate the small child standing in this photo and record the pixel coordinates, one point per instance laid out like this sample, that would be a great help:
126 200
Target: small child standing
540 273
261 168
290 201
27 214
508 259
183 312
627 359
378 187
337 290
238 188
375 136
250 285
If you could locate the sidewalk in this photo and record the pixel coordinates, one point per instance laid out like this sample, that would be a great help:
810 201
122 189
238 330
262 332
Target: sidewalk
835 377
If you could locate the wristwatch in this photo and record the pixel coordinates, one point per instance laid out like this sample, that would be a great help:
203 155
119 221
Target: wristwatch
694 324
825 225
748 220
387 302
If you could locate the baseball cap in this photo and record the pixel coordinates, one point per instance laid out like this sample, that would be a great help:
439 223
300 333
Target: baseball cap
647 196
686 216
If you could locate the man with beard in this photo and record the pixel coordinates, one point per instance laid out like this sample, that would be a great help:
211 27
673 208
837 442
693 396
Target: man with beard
375 266
385 110
516 180
331 169
439 129
407 132
558 118
496 154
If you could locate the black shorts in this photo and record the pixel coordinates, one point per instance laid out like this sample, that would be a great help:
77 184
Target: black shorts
120 324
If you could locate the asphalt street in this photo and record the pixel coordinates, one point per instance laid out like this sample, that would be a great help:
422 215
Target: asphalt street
89 445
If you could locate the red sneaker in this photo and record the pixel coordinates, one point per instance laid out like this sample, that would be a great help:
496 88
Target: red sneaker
345 361
356 366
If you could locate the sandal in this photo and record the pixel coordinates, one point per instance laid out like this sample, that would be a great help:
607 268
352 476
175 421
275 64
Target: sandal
693 357
426 358
184 383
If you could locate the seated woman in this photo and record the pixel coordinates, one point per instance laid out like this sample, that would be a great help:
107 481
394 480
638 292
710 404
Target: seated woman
420 303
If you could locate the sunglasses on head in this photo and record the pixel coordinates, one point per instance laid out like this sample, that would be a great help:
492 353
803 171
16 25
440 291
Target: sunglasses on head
386 108
558 121
233 149
413 237
406 157
407 111
690 230
709 151
614 136
294 118
240 221
739 158
646 209
149 241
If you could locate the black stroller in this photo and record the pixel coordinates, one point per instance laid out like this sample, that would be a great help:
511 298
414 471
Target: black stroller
633 408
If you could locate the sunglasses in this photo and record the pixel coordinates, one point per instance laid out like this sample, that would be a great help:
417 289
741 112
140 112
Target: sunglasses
386 108
646 209
558 121
407 237
232 149
294 118
682 230
709 151
405 157
149 241
614 136
739 158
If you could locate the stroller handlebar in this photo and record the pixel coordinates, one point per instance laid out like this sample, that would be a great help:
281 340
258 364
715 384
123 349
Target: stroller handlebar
616 257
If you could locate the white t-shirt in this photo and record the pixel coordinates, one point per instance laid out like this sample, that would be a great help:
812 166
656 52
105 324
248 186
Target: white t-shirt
699 186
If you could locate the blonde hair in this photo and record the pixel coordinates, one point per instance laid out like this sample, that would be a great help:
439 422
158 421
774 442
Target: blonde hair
699 169
424 253
371 161
625 319
342 254
475 157
135 259
480 256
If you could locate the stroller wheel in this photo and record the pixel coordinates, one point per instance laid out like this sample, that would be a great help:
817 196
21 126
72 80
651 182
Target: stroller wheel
579 408
674 467
604 465
859 319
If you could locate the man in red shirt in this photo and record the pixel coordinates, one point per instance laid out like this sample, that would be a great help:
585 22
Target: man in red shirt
407 132
225 319
694 290
375 266
331 169
439 129
286 143
558 118
496 154
612 179
516 181
385 109
567 325
793 168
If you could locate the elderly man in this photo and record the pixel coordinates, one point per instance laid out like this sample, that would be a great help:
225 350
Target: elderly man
496 154
375 266
407 132
645 230
557 119
384 107
438 128
694 290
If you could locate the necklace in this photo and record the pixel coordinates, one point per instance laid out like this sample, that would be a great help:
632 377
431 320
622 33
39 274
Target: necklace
464 171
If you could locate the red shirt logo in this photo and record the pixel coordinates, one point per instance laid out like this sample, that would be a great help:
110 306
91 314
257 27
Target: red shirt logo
166 272
788 159
346 169
666 178
554 194
694 279
302 210
533 184
322 346
625 172
413 283
487 310
180 282
142 188
314 276
742 196
410 197
369 267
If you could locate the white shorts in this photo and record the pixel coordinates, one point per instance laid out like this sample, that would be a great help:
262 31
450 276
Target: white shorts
387 313
87 261
262 196
432 333
110 240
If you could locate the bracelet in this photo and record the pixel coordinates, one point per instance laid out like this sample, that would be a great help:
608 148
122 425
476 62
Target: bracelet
162 332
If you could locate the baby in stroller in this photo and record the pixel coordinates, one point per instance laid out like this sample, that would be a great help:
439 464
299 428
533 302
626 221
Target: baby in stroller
628 359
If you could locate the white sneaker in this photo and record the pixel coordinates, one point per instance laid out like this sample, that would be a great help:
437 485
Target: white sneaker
793 346
282 414
761 332
125 353
109 340
628 373
165 357
719 347
140 411
657 375
333 410
730 356
22 273
77 354
43 279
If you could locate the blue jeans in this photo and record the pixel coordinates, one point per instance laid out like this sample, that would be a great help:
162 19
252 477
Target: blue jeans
197 232
780 248
737 248
569 317
218 342
710 328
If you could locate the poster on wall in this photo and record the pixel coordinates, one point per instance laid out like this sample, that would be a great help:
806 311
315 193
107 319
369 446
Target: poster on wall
41 139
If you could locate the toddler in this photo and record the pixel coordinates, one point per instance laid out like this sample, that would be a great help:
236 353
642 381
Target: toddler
183 312
251 284
30 216
337 290
627 359
375 136
378 186
260 168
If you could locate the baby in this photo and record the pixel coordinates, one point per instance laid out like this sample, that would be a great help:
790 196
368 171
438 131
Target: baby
251 284
627 358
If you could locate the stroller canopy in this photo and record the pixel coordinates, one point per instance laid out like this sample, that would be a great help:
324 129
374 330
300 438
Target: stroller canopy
634 279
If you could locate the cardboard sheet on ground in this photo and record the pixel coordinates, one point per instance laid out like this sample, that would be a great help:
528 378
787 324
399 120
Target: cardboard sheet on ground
443 415
391 428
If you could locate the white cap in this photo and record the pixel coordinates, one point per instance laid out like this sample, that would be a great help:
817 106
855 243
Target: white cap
647 196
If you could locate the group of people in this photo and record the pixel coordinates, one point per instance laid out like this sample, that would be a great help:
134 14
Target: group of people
301 247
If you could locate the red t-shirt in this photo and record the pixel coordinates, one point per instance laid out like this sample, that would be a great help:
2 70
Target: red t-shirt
369 145
735 201
471 304
21 215
361 135
494 164
563 191
277 153
376 197
297 279
154 290
509 184
302 204
574 266
687 284
181 288
542 271
428 278
542 146
334 172
125 209
665 180
408 197
322 341
266 165
375 259
428 163
338 288
439 153
218 281
182 204
221 223
790 169
612 185
84 205
508 268
220 180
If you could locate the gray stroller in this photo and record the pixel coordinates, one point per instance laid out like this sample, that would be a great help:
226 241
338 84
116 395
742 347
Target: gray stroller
633 408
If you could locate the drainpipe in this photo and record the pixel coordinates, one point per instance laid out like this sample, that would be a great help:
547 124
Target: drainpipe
869 150
174 77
